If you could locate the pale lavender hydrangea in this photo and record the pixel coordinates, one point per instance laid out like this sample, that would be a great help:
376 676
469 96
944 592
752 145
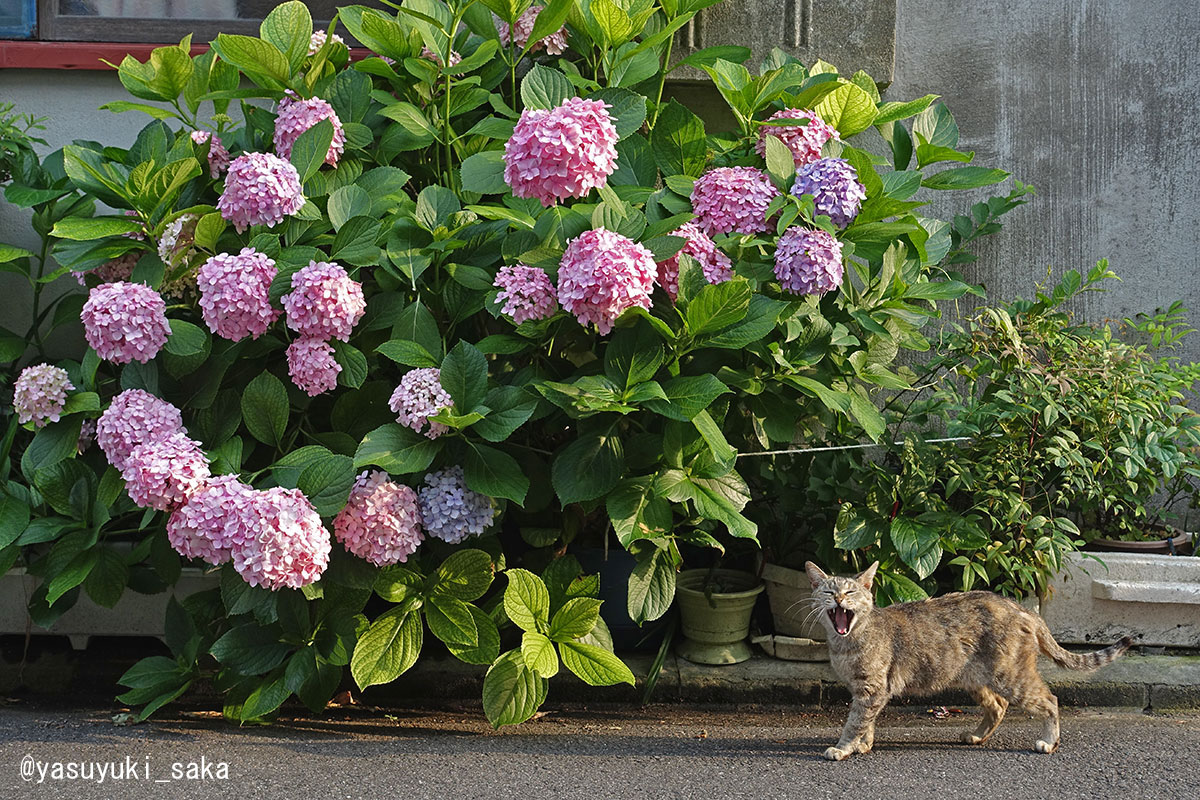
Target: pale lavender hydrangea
300 115
554 44
325 302
805 141
808 261
40 394
561 152
218 156
318 39
835 189
527 293
380 522
87 435
125 322
177 238
285 545
312 366
164 473
135 417
235 297
260 189
212 522
732 199
136 235
449 510
419 396
602 275
715 264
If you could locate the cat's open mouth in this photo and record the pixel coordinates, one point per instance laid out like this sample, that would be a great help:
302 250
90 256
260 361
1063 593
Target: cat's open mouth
841 618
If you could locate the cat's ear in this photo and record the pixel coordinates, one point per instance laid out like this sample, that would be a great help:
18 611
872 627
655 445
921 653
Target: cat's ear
867 576
815 574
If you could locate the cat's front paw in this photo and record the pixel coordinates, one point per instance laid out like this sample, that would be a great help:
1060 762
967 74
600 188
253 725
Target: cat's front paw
969 737
834 754
1042 746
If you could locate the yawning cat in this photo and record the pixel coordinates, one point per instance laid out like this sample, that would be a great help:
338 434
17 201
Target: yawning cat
977 641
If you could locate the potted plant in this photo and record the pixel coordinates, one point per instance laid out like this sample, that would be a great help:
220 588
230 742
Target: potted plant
714 610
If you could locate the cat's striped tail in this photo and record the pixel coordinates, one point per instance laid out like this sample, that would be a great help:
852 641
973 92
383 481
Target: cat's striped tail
1071 660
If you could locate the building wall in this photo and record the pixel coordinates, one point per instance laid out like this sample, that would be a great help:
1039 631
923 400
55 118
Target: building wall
1091 102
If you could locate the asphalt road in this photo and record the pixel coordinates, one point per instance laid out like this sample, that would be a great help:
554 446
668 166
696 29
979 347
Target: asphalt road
657 752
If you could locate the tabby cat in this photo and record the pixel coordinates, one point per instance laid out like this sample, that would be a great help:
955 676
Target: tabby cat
977 641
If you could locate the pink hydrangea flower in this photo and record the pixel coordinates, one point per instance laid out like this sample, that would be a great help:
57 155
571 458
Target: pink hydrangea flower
318 39
325 302
312 365
561 152
260 189
285 544
527 292
602 274
125 322
40 394
429 55
715 264
135 417
380 522
218 156
732 199
805 141
235 297
554 44
419 396
808 261
297 117
119 269
164 473
212 521
449 510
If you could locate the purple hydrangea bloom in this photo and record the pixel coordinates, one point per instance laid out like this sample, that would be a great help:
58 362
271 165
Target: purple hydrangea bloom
419 396
834 187
808 261
449 510
40 394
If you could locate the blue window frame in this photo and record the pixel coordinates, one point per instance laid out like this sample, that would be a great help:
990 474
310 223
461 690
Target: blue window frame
18 19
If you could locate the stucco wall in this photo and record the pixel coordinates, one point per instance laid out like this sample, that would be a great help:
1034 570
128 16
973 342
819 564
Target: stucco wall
1092 102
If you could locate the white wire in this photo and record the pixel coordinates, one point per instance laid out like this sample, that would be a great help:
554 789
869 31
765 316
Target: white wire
861 446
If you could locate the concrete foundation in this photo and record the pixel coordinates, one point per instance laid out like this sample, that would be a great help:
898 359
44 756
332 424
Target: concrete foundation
1155 599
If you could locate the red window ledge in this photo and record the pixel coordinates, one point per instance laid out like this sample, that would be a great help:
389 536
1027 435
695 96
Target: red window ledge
73 55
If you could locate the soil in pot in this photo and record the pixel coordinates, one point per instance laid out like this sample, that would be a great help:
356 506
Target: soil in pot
715 624
1172 542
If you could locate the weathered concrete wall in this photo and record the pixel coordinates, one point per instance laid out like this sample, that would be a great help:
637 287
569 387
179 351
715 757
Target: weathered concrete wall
70 99
1093 103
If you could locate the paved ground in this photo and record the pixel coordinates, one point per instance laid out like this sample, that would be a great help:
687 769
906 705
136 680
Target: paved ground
575 752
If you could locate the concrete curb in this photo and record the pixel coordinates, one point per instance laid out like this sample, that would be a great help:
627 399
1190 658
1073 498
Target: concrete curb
1142 682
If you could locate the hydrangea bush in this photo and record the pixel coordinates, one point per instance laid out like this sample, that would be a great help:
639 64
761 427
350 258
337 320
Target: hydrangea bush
420 315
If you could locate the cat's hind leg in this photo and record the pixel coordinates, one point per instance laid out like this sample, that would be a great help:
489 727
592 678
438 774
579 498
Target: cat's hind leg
993 706
1036 698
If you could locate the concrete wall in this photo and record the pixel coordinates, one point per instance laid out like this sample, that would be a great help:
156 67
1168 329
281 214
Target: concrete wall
1095 104
1092 102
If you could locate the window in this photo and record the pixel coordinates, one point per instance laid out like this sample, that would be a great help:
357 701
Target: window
156 20
17 18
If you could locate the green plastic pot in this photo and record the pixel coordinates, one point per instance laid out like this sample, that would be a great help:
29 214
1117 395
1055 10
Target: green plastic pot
715 632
